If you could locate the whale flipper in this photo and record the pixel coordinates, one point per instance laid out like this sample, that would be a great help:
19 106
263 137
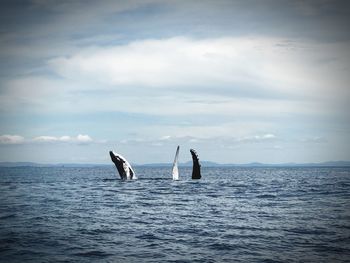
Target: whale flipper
175 170
124 168
196 170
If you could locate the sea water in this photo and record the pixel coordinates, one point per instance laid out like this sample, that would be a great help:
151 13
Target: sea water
62 214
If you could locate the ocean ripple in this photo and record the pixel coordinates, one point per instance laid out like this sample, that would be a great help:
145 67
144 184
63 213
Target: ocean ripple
63 214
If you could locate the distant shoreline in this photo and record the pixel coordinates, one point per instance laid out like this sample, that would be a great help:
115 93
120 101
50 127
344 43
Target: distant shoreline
188 164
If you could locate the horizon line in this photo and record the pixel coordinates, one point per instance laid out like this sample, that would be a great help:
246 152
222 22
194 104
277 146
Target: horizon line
204 163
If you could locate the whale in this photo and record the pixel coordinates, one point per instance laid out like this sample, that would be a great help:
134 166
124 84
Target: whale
175 170
196 169
123 166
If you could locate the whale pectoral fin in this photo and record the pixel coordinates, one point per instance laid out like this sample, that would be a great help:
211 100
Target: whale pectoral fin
175 170
113 158
196 171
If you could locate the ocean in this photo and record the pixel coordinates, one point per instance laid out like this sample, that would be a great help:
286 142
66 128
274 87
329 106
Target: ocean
63 214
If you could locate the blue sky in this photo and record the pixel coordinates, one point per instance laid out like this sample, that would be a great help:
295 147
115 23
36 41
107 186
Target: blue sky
239 81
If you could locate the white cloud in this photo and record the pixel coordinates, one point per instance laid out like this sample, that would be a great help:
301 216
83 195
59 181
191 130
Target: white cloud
80 139
11 139
175 76
207 131
269 136
84 138
315 139
45 139
258 138
246 62
36 93
215 138
65 138
170 62
165 138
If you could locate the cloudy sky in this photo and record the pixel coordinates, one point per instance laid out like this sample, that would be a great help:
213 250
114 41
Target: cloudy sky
239 81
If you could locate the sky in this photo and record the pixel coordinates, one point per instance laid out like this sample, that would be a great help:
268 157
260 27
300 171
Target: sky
239 81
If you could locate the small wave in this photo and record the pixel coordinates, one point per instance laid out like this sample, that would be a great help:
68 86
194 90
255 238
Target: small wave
155 179
266 196
92 253
141 222
307 231
329 248
214 195
238 185
147 237
7 216
109 179
222 246
252 228
271 261
9 240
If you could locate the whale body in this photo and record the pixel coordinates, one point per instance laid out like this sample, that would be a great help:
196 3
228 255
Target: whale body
196 170
124 168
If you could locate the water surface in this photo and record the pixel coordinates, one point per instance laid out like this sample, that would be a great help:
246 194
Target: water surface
232 215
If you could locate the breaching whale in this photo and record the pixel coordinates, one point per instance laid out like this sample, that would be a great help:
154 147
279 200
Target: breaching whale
196 170
124 168
175 170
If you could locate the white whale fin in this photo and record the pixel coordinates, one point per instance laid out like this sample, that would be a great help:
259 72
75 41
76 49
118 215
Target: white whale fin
175 170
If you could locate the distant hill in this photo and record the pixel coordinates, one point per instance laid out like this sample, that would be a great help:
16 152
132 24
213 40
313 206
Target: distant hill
203 163
17 164
187 164
31 164
255 164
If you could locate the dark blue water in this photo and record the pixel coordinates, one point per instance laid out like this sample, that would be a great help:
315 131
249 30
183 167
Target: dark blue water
231 215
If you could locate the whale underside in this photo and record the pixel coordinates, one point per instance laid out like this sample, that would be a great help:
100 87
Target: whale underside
124 168
196 170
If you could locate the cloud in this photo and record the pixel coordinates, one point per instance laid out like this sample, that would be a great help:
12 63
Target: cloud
80 139
84 138
151 141
315 139
226 75
239 79
46 139
258 138
254 67
175 62
198 139
11 139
